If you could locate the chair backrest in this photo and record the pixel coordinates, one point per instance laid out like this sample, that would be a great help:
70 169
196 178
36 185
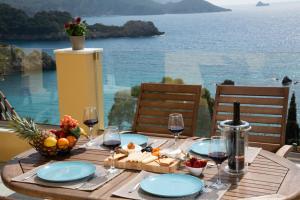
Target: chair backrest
6 110
265 108
157 101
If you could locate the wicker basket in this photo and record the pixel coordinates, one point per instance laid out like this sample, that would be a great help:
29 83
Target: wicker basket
51 151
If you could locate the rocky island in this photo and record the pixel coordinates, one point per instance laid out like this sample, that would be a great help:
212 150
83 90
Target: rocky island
15 24
129 29
259 4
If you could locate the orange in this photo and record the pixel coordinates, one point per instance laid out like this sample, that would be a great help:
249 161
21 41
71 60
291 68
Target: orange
72 140
155 152
155 149
130 145
63 143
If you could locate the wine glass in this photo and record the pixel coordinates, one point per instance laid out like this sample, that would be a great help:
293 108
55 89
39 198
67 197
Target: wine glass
112 140
90 119
218 153
176 125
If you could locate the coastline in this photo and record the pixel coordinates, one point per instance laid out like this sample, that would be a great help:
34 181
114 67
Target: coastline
200 48
131 29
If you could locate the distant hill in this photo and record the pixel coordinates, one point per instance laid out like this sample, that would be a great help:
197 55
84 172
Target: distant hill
192 6
15 24
259 4
166 1
114 7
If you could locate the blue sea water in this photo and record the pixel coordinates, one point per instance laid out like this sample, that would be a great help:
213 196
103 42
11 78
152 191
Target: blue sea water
250 45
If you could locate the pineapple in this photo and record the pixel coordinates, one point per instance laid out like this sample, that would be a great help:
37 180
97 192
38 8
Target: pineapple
28 130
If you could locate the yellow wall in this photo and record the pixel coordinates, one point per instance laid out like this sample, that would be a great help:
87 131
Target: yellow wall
79 82
11 145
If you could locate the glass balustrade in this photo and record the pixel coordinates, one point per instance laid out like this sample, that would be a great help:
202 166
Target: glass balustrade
28 78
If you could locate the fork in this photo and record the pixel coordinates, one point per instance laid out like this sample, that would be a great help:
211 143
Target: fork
134 188
86 182
94 177
151 143
137 185
29 176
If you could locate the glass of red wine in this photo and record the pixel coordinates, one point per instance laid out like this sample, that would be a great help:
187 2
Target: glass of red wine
112 140
90 119
218 153
176 126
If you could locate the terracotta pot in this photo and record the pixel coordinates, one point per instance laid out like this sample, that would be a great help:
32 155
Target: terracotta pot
77 42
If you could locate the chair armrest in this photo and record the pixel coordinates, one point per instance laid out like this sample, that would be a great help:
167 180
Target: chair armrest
284 150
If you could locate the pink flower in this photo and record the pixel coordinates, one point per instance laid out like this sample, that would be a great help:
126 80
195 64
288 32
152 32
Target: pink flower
78 20
67 25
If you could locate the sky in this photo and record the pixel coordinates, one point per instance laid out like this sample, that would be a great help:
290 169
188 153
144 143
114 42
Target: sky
241 2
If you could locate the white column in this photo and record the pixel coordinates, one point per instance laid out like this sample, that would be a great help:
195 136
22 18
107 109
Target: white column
79 82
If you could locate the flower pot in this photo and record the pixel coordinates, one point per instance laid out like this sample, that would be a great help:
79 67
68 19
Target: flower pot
77 42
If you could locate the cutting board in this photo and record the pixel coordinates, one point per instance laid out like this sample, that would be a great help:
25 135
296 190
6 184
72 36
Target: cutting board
153 166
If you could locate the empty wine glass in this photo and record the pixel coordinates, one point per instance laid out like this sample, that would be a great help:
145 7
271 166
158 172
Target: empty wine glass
112 140
218 153
176 125
90 119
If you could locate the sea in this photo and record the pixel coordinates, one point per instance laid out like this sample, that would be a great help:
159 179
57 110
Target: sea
250 45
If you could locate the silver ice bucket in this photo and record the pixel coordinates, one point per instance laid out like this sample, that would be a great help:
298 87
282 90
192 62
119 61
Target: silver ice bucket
237 144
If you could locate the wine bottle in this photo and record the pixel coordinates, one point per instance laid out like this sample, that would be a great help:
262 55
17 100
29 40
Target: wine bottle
236 114
237 154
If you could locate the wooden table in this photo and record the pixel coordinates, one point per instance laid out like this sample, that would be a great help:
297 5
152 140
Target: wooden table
268 174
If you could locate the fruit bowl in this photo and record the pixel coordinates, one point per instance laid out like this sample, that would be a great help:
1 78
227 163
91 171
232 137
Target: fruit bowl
49 143
56 146
196 166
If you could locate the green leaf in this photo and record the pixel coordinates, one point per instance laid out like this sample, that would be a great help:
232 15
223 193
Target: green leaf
75 132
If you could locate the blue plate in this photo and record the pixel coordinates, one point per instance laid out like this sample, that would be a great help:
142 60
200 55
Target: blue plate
134 138
201 147
172 185
66 171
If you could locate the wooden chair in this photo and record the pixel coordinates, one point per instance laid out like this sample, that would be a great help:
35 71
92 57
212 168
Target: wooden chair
157 101
6 110
265 108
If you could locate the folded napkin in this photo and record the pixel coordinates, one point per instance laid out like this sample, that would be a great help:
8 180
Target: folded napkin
98 141
139 194
88 184
157 142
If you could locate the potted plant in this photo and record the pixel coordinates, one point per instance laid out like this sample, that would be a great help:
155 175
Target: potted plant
76 30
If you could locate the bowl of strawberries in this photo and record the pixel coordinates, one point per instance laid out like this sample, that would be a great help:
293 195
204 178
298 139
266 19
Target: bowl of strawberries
196 166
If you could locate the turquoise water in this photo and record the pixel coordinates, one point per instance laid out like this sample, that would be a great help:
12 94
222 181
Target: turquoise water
252 46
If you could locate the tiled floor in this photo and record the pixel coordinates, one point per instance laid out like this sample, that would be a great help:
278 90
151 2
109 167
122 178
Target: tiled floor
4 191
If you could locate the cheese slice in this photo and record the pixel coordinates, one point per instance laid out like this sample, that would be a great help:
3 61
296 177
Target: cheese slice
149 159
166 161
135 157
118 156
